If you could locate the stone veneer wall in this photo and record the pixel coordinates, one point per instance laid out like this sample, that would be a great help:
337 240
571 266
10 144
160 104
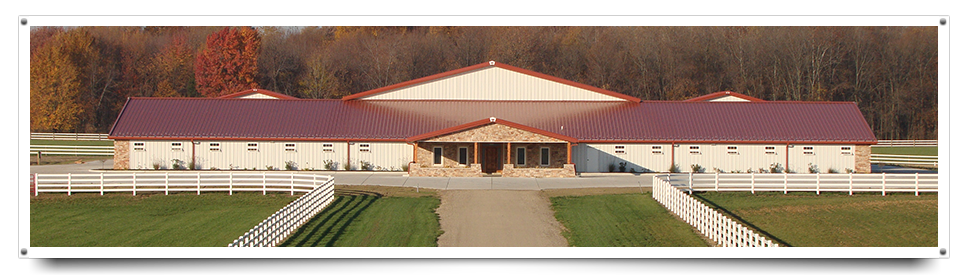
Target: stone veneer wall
121 157
494 133
532 154
862 159
425 154
473 170
568 170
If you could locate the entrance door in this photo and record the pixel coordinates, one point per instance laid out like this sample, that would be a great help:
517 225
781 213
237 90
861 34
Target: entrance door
491 159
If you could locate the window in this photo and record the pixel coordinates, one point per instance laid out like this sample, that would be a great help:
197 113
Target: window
438 155
694 150
252 147
845 150
733 150
176 146
214 146
520 156
770 150
619 150
462 155
545 156
139 146
656 150
365 147
290 147
808 151
327 147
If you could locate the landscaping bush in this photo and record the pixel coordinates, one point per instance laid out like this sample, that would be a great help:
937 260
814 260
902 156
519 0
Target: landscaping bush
674 168
813 168
621 166
698 168
776 168
291 165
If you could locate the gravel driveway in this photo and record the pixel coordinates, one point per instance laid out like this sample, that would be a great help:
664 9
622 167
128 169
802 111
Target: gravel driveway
497 218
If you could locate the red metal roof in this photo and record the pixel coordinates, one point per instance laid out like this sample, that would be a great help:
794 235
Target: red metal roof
490 64
724 93
338 120
257 90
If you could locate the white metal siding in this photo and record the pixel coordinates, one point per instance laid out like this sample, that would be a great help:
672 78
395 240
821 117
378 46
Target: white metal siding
492 83
825 157
235 155
727 98
597 157
256 96
747 157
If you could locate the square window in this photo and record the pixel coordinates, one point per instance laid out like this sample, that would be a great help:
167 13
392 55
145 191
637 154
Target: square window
139 146
733 150
176 146
290 147
808 151
215 146
770 150
327 147
846 150
694 150
619 149
657 150
545 156
252 147
462 155
521 156
365 147
438 155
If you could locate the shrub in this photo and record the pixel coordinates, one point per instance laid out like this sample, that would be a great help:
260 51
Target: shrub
646 170
674 168
813 168
776 168
270 167
698 168
405 167
366 165
832 170
611 167
621 166
761 170
291 165
347 166
718 170
156 165
177 164
191 165
330 165
848 170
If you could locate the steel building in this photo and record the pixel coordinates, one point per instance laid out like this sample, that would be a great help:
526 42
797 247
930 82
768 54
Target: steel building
492 118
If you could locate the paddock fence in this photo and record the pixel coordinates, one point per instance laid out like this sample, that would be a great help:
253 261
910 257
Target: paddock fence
280 225
784 182
68 136
904 160
721 229
906 143
72 150
198 182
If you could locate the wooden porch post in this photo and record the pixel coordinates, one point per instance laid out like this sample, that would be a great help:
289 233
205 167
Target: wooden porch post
509 153
475 153
568 147
414 152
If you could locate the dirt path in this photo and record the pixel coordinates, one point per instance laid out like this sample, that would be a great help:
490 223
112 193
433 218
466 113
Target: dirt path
497 218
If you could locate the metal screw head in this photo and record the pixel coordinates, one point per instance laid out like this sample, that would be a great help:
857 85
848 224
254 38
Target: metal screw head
23 251
23 21
943 251
943 21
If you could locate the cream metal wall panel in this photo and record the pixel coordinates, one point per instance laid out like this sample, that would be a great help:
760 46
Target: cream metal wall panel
158 152
824 156
597 157
747 157
257 96
727 98
383 155
492 83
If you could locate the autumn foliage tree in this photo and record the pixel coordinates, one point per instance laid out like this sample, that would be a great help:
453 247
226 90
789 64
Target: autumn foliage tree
228 62
57 81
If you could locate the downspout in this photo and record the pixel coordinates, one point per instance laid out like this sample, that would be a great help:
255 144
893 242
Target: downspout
193 154
787 158
348 164
673 156
414 158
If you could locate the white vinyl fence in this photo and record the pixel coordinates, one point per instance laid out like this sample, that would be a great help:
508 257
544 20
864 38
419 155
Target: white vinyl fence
72 150
280 225
905 159
166 182
714 225
777 182
68 136
906 143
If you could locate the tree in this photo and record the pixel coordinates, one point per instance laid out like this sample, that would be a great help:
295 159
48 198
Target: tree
228 63
56 82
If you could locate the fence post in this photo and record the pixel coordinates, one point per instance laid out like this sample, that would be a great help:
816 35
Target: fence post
69 183
916 177
784 182
198 182
263 183
292 189
883 184
134 183
717 181
36 192
166 182
753 183
102 183
230 183
818 183
851 183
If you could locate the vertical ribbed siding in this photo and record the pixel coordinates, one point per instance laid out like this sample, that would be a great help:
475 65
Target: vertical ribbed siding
638 156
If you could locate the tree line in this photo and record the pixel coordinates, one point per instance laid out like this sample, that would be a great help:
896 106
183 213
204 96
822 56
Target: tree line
81 76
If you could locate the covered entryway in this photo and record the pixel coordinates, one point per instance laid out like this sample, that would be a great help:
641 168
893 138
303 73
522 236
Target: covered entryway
493 161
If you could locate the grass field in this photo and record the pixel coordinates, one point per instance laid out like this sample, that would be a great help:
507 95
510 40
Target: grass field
915 151
71 142
66 159
624 219
834 219
123 220
373 217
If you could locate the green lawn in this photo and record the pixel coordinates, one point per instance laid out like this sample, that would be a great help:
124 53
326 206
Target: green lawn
615 220
123 220
916 151
71 143
836 219
369 219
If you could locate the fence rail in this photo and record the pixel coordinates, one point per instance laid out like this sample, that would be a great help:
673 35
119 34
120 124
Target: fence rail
68 136
850 183
906 143
72 150
714 225
166 182
905 159
275 229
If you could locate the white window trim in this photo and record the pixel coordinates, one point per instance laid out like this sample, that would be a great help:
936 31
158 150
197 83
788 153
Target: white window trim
433 156
541 156
330 149
364 149
250 148
215 148
467 156
285 147
518 150
135 147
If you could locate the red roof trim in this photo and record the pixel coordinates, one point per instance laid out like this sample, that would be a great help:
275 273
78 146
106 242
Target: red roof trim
256 90
724 93
484 122
408 140
119 117
258 139
819 142
488 64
